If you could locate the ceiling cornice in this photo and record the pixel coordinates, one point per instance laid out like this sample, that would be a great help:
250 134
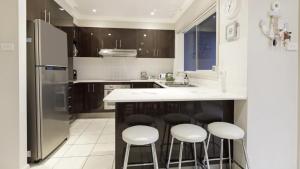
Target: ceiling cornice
71 7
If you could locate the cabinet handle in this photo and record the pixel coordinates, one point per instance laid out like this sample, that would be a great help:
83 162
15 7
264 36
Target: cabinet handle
45 15
157 52
49 17
88 88
93 88
116 44
154 52
97 52
102 44
120 43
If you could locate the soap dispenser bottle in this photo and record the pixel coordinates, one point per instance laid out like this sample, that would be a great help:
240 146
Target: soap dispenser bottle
186 79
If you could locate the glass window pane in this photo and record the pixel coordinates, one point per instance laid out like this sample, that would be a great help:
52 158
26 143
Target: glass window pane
206 44
190 50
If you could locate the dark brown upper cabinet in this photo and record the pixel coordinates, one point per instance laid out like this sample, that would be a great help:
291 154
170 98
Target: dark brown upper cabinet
118 38
127 38
165 44
88 42
149 43
146 43
36 9
156 43
109 38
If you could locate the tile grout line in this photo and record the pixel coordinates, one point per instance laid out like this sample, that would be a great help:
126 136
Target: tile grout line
94 146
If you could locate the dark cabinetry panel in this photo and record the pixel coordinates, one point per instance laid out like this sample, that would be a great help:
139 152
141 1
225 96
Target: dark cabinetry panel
163 116
144 85
88 97
165 44
88 42
149 43
36 9
146 43
156 43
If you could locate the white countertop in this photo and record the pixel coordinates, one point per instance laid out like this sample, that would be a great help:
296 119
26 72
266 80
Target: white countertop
200 93
116 81
169 94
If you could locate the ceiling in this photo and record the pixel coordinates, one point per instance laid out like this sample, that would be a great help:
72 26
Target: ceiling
162 11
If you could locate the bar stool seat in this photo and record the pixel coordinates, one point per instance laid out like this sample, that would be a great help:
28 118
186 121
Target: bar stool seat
140 135
189 133
226 131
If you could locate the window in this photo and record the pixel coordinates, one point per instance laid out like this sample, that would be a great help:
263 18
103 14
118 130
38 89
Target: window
200 45
190 50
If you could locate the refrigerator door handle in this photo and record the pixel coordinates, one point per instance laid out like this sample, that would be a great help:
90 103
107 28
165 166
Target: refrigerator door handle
39 113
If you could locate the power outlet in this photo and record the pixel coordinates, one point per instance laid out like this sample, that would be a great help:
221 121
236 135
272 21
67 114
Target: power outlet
7 46
292 46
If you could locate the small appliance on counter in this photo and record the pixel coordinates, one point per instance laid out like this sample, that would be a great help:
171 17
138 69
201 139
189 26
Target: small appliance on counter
144 76
170 77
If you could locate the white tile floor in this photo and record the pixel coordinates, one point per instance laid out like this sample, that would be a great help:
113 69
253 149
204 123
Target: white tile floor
90 146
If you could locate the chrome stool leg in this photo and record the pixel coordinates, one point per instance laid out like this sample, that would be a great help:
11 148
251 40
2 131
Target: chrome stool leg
245 153
170 153
180 155
206 155
195 154
126 156
229 153
221 154
155 162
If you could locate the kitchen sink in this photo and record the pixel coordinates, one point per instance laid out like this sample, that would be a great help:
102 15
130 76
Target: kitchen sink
178 84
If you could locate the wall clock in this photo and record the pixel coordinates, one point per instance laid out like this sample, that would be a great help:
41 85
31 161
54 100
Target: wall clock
232 8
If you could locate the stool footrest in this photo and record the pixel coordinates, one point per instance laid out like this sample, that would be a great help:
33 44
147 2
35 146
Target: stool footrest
186 161
142 164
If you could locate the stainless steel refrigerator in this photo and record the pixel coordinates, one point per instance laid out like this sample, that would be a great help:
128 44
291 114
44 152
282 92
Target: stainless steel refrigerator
47 79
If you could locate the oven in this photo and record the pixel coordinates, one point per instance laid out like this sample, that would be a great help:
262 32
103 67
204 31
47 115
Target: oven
108 89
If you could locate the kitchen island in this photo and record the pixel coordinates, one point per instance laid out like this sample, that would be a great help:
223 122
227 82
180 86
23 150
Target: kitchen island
163 108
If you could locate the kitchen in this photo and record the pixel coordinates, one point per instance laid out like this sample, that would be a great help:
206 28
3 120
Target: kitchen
154 84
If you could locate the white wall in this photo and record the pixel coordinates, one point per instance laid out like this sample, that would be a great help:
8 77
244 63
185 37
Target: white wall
269 77
13 85
109 68
272 92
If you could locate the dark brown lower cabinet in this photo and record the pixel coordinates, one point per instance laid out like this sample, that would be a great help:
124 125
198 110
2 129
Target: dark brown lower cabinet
145 85
88 97
163 116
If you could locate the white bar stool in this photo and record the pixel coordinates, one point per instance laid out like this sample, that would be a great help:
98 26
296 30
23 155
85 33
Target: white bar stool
140 136
188 133
229 132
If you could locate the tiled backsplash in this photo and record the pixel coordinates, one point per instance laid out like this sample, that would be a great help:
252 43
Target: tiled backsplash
120 68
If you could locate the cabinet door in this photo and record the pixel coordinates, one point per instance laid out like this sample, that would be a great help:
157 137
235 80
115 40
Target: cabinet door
57 16
84 44
165 44
146 43
95 42
78 98
110 38
35 9
145 85
127 39
96 98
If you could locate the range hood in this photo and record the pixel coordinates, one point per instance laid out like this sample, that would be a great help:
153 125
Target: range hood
118 52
